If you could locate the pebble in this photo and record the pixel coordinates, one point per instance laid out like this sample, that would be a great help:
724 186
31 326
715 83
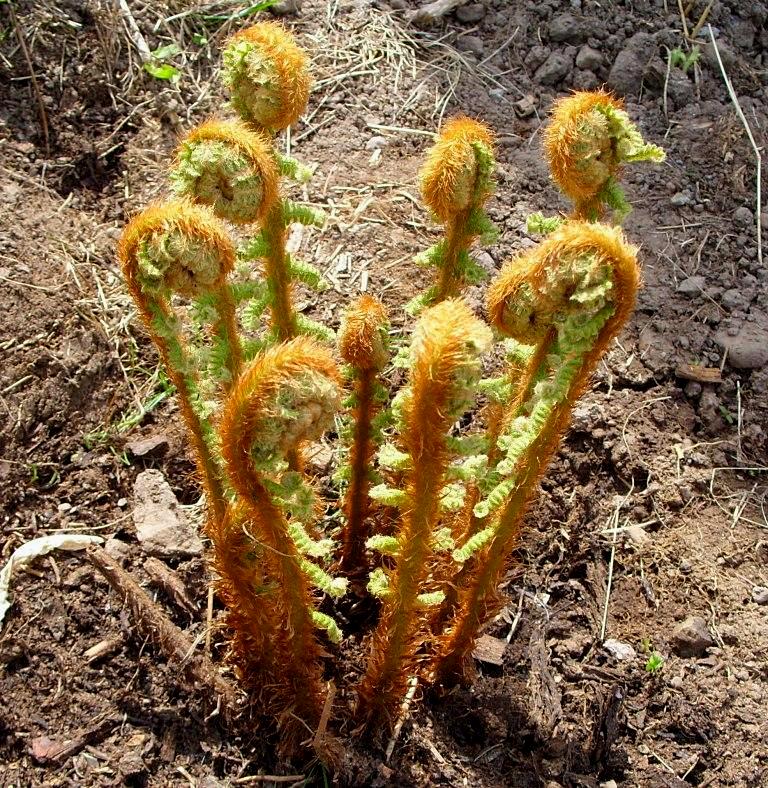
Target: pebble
692 389
473 12
589 58
676 682
376 142
626 74
286 7
618 650
118 549
536 56
566 27
692 638
748 348
732 299
637 535
553 69
162 527
680 199
472 44
760 595
743 217
153 446
693 285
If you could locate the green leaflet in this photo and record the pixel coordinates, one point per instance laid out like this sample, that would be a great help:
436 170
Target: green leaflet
302 214
322 621
293 169
542 225
386 545
320 548
452 497
335 587
473 544
312 328
430 599
389 496
389 456
378 583
307 274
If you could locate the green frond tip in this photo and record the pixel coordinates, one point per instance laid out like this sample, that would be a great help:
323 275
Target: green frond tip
254 248
517 352
484 184
391 457
430 599
386 545
497 389
322 621
312 328
378 584
389 496
472 545
479 224
613 196
421 301
320 548
402 358
452 497
307 274
539 224
432 257
293 169
442 539
302 214
253 312
335 587
471 469
495 498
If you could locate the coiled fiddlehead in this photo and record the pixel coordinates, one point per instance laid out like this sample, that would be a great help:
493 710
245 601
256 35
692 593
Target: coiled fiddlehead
180 247
456 182
588 140
288 395
225 165
569 296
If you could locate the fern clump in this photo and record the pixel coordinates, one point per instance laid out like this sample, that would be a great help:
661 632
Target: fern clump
425 505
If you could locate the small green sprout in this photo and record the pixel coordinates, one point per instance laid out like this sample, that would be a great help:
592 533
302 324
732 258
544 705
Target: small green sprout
654 663
157 66
682 59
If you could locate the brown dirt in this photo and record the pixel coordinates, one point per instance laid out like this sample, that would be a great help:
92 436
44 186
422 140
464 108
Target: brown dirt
686 460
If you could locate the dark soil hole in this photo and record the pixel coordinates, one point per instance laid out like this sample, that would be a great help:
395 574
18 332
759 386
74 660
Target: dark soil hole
90 172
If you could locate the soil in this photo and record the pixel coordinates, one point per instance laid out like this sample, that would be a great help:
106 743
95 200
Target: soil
675 463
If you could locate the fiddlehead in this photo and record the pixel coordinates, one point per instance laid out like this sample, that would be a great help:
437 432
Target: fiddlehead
570 295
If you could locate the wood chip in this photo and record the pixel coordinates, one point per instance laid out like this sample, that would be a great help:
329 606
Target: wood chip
490 650
699 374
102 649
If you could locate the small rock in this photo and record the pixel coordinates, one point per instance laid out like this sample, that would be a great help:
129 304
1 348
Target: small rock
743 217
618 650
131 766
680 89
162 528
376 142
485 261
637 535
760 595
729 635
628 69
471 13
693 285
686 566
680 199
732 299
525 107
119 550
727 55
536 56
748 348
584 80
286 7
553 69
566 27
589 59
692 638
153 446
676 682
472 44
692 389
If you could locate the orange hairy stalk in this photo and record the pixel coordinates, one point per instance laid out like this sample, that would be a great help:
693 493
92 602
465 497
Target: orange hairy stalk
580 284
445 365
286 396
363 345
455 184
182 247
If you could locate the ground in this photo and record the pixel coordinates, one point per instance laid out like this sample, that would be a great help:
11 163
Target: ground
652 512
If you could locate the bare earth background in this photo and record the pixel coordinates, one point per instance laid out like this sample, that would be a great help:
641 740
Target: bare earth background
677 464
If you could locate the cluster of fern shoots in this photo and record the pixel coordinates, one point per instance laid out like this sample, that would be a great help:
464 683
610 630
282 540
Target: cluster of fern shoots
423 512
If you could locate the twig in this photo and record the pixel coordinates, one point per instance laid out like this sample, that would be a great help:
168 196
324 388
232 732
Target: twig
35 86
702 20
133 31
270 778
758 157
412 684
171 583
434 11
153 623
